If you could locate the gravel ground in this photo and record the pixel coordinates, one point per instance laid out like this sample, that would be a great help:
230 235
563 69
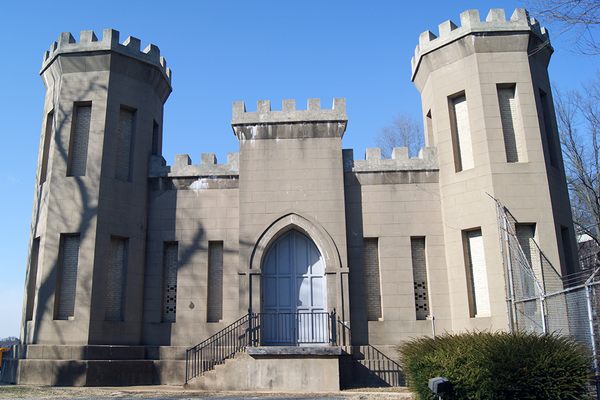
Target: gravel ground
173 392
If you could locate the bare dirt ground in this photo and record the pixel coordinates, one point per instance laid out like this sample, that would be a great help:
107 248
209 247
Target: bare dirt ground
175 392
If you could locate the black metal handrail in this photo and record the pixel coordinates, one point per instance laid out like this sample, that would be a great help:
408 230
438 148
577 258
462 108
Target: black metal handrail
219 347
297 328
255 329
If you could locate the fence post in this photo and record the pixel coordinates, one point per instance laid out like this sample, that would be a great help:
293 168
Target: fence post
588 300
511 284
543 314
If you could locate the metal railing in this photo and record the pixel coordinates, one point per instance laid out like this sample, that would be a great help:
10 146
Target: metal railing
219 347
297 328
254 329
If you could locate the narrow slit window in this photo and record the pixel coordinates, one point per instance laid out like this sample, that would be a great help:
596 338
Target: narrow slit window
32 278
116 279
214 306
124 144
512 130
170 263
567 250
66 285
155 139
477 281
372 278
429 127
78 144
461 133
419 265
548 128
46 146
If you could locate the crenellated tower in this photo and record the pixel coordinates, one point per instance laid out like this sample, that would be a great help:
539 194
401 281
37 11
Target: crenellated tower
487 107
103 115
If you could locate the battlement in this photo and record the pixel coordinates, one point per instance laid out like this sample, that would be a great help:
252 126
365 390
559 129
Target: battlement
88 42
470 22
288 113
400 161
183 167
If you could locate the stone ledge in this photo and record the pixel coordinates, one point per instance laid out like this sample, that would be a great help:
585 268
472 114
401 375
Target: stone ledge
305 351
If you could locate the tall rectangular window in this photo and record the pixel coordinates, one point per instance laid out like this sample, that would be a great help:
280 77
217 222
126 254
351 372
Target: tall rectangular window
526 238
46 146
419 266
477 281
155 139
214 303
548 128
170 264
124 144
66 282
78 143
461 133
372 278
512 129
32 278
567 250
116 279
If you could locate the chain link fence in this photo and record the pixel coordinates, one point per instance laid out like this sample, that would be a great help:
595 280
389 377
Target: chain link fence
540 299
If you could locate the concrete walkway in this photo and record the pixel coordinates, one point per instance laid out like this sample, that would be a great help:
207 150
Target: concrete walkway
176 392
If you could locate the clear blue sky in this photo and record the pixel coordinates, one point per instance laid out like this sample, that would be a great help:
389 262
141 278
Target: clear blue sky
221 51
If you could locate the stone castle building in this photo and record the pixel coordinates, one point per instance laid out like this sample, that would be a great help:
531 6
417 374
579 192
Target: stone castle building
299 252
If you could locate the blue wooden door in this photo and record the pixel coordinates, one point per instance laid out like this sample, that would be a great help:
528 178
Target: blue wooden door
294 296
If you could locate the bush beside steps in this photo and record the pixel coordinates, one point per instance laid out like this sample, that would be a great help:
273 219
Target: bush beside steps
483 365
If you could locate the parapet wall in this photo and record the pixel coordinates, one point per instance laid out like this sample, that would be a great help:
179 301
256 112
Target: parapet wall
288 113
400 161
470 23
183 168
88 42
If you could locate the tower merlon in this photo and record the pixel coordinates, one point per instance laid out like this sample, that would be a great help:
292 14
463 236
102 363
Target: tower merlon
471 23
288 113
88 42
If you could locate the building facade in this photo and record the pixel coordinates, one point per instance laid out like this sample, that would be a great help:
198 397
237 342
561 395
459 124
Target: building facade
134 261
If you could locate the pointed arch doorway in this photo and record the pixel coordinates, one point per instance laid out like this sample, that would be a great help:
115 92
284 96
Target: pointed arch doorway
294 293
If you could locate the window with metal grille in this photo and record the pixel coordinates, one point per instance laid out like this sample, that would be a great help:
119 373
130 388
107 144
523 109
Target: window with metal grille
419 267
461 133
123 151
78 144
512 129
477 281
46 146
116 279
214 303
66 282
32 278
372 278
170 264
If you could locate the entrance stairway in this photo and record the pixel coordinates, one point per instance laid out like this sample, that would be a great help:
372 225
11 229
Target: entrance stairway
209 362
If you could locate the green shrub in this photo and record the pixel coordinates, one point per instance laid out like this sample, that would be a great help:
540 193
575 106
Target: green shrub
498 366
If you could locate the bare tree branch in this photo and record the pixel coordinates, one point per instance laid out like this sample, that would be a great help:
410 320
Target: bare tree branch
581 16
404 131
578 118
